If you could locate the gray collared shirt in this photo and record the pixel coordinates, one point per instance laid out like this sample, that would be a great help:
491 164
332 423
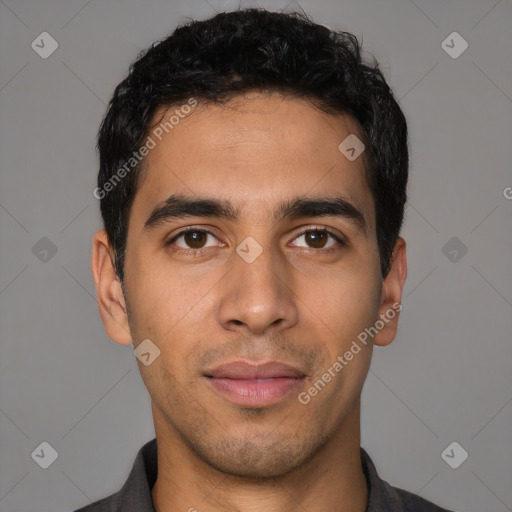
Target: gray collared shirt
135 495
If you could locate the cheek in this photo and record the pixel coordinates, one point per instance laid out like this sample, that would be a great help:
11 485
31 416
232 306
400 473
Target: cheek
346 310
171 311
348 302
163 297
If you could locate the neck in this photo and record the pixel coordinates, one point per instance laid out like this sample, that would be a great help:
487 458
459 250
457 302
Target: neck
331 481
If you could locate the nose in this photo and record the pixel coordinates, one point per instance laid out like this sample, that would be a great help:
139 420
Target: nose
258 296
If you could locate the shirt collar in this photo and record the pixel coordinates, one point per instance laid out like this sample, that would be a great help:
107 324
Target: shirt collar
135 495
381 496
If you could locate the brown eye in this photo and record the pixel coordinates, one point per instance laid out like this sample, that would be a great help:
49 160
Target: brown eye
319 239
316 239
193 239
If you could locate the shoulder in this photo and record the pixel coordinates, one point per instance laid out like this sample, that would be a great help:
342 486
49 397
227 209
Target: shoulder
108 504
135 495
385 498
414 503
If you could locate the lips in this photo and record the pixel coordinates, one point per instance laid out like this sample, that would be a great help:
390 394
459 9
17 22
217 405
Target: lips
254 385
246 371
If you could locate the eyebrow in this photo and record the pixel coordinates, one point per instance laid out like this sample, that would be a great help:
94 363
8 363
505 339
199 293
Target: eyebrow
179 206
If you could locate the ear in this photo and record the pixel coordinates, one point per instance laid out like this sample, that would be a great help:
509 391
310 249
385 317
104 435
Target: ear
391 295
110 296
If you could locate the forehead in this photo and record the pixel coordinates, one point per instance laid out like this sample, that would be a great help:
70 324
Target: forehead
255 151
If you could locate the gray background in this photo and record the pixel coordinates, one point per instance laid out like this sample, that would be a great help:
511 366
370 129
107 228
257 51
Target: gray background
447 375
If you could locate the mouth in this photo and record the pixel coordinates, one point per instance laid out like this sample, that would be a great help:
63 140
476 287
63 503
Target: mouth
254 385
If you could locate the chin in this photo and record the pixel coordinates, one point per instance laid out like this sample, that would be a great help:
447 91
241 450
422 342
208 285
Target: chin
247 458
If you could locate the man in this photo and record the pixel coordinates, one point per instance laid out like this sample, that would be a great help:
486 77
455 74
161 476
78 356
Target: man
253 174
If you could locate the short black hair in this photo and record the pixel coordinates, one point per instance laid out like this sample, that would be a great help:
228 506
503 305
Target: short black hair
255 50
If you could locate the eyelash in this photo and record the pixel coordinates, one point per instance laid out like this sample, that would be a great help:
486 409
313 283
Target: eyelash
195 252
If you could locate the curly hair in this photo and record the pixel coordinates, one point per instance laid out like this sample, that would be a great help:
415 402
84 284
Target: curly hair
256 50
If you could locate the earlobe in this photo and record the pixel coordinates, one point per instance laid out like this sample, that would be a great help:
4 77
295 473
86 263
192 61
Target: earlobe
111 303
391 295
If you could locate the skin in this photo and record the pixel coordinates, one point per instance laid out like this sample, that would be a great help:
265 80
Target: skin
295 303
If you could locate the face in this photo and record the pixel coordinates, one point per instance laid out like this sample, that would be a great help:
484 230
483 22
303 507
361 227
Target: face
252 264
